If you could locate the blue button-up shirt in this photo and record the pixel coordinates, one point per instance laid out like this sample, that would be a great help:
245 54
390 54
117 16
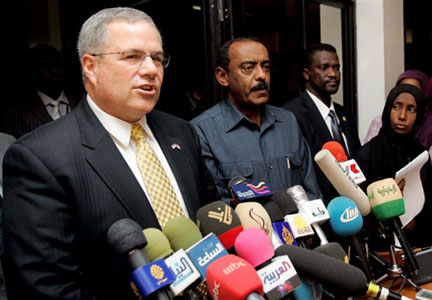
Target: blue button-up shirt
274 152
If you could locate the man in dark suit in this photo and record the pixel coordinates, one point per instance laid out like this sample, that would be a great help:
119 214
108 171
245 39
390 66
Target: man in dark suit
67 182
47 98
314 109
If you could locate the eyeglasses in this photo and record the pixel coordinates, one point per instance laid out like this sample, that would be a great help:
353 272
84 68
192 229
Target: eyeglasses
135 57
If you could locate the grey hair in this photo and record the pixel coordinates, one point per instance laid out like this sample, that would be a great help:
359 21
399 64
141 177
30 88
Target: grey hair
93 37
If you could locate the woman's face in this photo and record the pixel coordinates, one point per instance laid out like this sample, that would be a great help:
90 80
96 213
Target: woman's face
403 113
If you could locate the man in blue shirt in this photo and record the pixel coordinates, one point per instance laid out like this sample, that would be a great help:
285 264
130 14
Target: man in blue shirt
243 135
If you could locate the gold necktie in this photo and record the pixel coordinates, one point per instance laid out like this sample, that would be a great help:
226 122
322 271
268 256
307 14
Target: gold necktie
159 188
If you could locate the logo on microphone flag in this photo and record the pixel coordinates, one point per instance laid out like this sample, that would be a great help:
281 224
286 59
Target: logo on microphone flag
151 277
204 252
279 278
183 270
285 233
251 190
353 170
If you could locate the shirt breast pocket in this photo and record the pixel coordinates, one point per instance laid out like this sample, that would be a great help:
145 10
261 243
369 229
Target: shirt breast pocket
294 169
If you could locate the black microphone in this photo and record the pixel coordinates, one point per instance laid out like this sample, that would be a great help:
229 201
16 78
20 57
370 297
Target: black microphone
126 238
334 273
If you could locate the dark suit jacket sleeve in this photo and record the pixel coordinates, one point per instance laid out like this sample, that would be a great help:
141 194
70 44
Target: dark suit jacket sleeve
39 247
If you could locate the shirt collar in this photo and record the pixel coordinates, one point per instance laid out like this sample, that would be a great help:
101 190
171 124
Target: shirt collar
117 128
47 99
322 108
233 116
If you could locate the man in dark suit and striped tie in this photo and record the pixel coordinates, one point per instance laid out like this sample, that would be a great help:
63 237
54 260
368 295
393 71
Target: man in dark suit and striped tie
320 118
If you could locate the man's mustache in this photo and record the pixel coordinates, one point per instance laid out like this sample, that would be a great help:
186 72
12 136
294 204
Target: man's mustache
262 85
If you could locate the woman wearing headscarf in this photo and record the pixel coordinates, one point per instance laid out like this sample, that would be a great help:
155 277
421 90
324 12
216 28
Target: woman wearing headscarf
423 133
395 146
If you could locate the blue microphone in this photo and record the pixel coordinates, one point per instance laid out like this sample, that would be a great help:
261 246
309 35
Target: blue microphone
346 221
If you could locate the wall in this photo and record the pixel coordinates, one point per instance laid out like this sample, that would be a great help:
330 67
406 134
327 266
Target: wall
380 55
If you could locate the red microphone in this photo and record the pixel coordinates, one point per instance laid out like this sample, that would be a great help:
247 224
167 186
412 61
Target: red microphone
350 166
336 149
232 277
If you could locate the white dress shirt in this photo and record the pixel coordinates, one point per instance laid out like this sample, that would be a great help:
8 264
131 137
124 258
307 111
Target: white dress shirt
325 114
120 132
63 103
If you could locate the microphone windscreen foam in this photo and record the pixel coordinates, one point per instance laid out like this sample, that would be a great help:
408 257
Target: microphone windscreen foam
181 233
326 270
219 218
158 245
285 202
253 214
336 149
298 194
273 210
125 235
345 218
334 250
231 277
254 245
386 199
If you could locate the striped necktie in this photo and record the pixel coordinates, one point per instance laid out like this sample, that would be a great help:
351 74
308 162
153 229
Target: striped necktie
161 193
337 133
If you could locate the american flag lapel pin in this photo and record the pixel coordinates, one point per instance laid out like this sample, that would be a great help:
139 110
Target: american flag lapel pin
175 146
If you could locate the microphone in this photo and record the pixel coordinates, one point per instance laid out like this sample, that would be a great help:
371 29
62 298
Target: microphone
253 214
341 181
278 275
219 218
346 221
281 228
315 211
200 251
388 204
125 237
336 150
351 166
254 245
285 202
232 277
181 233
334 250
179 263
334 273
158 245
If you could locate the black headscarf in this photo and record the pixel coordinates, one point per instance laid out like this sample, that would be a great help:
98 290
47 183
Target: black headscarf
391 151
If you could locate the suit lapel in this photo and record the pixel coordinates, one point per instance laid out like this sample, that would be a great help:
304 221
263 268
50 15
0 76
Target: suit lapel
314 117
38 108
109 164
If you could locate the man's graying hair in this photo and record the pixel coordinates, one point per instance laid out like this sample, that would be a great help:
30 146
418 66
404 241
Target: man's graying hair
223 56
93 37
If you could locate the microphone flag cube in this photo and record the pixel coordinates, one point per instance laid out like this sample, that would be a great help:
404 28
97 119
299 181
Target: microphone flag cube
251 191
